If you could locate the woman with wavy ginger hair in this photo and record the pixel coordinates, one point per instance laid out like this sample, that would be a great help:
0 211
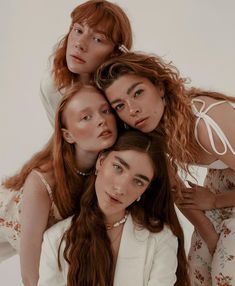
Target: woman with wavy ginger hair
126 231
98 30
49 186
149 94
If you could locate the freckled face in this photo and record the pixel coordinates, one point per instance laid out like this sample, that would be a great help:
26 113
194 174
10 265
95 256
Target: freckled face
137 101
122 177
87 48
89 121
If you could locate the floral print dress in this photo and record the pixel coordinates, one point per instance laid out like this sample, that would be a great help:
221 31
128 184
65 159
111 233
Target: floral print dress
219 269
10 213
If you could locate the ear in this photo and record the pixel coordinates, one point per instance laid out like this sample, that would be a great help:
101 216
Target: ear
100 160
67 136
161 90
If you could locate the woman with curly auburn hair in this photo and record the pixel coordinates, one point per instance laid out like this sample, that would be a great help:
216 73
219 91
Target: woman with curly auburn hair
49 186
98 30
149 94
126 231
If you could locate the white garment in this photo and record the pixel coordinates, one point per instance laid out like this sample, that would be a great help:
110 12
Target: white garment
144 258
50 96
211 125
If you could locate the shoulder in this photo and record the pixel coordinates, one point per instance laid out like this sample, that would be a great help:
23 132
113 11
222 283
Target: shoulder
54 234
47 82
165 236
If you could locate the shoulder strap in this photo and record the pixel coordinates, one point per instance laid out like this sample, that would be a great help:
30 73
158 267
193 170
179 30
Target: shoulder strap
48 187
201 114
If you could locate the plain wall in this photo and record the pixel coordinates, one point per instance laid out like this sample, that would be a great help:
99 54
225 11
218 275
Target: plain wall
197 36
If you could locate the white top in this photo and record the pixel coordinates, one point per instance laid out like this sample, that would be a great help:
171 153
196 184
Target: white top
211 125
50 96
144 258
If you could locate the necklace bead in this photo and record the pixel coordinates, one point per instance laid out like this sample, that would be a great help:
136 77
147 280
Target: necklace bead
84 174
116 224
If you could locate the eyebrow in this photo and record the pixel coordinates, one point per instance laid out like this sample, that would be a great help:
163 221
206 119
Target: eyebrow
125 164
129 90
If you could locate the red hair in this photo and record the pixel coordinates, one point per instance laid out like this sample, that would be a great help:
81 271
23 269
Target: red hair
109 17
57 157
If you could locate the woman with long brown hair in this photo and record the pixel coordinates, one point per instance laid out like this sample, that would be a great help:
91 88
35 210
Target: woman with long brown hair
149 94
97 31
49 186
126 231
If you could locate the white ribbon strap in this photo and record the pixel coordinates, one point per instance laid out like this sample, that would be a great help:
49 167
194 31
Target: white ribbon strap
201 114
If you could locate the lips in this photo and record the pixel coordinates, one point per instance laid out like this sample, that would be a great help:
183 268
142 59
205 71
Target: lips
113 199
79 59
140 122
105 133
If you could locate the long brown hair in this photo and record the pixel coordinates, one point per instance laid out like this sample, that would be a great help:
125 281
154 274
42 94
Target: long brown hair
86 241
58 158
94 12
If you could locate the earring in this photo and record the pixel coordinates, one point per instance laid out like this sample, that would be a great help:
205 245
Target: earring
164 100
138 199
126 126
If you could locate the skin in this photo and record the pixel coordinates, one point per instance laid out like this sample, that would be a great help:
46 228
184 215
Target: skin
137 101
193 202
87 48
121 180
90 127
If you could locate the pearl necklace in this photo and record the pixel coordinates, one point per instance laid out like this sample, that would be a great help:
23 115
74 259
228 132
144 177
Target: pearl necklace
83 173
116 224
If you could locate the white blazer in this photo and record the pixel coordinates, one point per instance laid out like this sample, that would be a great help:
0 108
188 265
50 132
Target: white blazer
144 258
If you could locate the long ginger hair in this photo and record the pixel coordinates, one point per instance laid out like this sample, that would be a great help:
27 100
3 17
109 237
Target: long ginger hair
86 241
58 158
103 13
178 121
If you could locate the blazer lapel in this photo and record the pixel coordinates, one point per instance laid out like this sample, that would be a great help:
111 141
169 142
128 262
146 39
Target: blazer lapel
131 257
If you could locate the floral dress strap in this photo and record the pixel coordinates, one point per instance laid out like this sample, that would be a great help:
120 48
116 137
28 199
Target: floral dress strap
211 125
48 187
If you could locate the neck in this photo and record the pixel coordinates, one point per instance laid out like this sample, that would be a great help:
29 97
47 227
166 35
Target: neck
85 160
85 78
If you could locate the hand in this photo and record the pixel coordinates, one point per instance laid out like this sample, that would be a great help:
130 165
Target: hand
196 197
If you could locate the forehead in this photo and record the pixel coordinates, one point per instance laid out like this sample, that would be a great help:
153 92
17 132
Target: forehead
138 162
86 98
125 84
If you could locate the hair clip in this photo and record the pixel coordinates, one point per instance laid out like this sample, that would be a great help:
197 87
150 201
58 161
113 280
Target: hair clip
123 49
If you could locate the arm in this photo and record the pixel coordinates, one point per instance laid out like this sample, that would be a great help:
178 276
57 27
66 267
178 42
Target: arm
196 216
164 263
35 211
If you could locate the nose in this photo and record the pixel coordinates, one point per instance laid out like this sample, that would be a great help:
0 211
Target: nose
101 120
134 109
120 185
81 43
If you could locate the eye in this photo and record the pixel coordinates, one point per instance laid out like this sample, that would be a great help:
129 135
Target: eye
117 167
119 106
138 92
138 182
86 118
107 111
78 30
97 39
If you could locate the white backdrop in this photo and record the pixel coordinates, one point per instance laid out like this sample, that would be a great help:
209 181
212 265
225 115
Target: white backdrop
198 36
